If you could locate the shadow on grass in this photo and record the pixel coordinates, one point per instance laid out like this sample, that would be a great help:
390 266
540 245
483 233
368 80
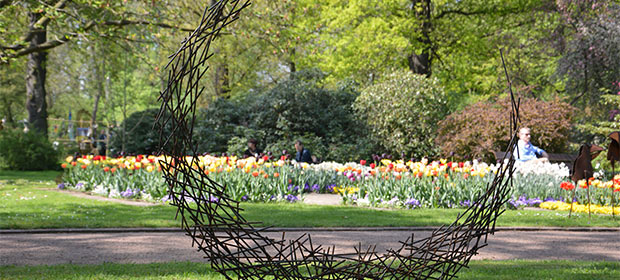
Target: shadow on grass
35 176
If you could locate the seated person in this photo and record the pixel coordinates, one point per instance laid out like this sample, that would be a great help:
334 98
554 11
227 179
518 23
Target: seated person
252 150
302 155
525 151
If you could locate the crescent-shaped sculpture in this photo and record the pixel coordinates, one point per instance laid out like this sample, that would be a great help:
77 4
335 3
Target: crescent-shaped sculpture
235 247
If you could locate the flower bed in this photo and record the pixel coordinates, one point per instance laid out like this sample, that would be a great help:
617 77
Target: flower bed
387 183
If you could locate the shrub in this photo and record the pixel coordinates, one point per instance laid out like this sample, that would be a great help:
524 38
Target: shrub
481 128
26 151
298 108
402 111
219 123
141 136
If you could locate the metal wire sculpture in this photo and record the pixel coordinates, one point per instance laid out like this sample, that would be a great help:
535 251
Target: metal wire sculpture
235 247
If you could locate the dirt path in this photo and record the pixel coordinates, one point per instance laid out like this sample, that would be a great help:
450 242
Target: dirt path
148 247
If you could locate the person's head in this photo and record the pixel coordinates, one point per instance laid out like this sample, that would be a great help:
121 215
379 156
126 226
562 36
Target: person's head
252 144
299 146
524 134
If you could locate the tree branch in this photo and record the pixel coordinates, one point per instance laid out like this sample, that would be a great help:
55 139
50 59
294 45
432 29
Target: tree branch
43 21
144 22
460 12
22 49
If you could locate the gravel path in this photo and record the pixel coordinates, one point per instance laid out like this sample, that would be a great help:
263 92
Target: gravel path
148 247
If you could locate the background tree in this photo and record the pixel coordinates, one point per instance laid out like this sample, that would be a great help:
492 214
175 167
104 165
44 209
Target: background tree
61 21
12 94
590 65
402 110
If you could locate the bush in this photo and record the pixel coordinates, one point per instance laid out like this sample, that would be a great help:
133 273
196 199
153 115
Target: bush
218 124
141 136
26 151
298 108
402 111
481 128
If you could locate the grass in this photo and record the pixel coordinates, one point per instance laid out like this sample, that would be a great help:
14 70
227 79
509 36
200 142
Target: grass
34 203
517 269
32 176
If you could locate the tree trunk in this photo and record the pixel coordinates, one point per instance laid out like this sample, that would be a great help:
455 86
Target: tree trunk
98 62
221 82
421 63
35 78
291 63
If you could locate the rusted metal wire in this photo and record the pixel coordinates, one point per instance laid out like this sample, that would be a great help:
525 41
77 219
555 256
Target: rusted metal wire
235 247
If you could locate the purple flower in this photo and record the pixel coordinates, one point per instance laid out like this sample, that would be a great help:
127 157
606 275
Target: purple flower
534 201
244 198
465 203
293 188
79 185
612 114
291 198
213 199
127 193
185 196
412 203
316 188
306 187
273 197
516 203
61 186
330 188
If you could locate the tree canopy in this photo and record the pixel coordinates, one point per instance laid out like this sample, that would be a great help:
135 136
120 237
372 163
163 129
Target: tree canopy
107 58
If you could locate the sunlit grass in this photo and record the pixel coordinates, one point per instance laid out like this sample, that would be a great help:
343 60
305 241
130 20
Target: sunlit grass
518 269
34 203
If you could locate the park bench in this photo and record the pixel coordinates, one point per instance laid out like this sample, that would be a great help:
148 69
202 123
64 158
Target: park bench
567 159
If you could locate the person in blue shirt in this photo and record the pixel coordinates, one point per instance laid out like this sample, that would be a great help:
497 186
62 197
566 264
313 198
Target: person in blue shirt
302 155
525 150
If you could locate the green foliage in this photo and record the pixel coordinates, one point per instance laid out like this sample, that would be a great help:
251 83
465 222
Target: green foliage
298 108
216 125
302 108
12 93
402 110
478 270
26 151
481 128
598 131
136 135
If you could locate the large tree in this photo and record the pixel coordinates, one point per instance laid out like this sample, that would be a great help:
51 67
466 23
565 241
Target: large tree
32 28
363 39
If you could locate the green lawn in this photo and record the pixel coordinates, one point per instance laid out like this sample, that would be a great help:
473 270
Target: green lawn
478 270
34 203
